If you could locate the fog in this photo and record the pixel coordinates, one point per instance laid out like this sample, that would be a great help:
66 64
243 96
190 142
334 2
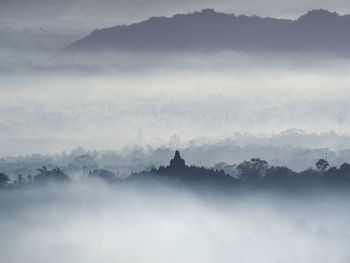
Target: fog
90 222
60 103
128 111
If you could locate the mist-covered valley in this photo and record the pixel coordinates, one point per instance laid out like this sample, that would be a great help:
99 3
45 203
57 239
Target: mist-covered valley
131 117
92 221
179 101
87 142
150 98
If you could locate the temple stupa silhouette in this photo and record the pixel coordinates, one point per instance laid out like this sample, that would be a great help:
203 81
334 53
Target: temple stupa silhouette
178 170
177 162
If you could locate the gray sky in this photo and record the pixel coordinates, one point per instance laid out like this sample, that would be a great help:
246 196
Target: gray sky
90 14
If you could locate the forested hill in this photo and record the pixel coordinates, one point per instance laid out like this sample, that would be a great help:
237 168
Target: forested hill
255 172
317 30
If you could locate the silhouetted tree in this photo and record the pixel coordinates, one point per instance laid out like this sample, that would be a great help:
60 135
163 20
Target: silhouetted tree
322 165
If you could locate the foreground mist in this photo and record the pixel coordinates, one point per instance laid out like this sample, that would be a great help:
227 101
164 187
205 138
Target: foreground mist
178 213
91 221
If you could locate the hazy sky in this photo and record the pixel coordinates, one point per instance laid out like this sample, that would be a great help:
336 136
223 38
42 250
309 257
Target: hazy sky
149 98
89 14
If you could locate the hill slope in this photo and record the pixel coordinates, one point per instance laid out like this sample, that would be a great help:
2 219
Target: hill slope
210 30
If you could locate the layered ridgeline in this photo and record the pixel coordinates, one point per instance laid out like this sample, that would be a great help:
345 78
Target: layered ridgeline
318 30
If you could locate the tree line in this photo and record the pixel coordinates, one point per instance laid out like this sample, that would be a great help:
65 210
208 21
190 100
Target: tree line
256 171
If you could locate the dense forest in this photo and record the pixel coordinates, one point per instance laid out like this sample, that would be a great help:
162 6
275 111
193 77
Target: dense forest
255 172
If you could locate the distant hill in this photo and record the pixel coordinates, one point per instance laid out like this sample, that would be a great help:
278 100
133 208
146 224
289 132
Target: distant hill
210 30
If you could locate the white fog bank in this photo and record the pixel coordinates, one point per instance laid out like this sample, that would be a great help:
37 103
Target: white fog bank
146 99
98 223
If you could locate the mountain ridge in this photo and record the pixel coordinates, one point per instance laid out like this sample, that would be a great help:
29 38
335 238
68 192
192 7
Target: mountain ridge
211 30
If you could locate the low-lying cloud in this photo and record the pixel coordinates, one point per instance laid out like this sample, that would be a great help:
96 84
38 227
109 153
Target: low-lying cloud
89 223
146 99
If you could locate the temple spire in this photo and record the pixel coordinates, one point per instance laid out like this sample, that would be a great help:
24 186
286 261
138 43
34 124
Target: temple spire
177 162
